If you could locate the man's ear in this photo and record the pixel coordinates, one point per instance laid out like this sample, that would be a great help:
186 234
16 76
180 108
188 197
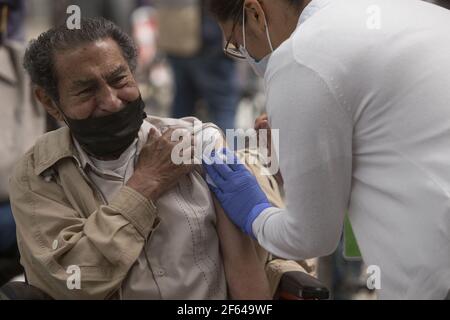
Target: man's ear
48 103
255 16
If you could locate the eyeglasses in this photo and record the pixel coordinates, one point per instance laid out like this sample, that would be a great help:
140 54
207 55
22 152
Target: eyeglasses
230 48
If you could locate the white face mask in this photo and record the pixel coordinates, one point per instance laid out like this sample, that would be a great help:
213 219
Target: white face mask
260 66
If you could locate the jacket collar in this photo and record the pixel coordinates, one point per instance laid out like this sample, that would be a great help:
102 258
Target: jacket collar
57 145
53 147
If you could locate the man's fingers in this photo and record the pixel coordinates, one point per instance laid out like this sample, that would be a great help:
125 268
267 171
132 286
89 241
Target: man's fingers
177 133
188 154
152 135
167 134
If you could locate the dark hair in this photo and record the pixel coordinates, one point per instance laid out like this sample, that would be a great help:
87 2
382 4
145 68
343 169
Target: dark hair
40 54
225 10
443 3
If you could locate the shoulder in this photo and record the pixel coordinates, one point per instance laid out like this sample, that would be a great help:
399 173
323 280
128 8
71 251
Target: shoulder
48 149
207 136
204 130
23 169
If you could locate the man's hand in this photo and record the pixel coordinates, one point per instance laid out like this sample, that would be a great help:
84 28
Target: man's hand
155 172
236 189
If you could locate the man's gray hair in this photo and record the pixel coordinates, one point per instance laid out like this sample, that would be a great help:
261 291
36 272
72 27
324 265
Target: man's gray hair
39 58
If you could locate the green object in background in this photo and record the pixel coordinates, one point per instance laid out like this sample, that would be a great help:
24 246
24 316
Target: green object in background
351 248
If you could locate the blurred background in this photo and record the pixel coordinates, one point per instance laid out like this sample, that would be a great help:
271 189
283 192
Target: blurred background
182 71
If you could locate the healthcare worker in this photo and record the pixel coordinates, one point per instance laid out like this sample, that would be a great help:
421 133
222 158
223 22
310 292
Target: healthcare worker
360 93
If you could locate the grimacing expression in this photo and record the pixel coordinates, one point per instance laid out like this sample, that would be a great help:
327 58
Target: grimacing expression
94 80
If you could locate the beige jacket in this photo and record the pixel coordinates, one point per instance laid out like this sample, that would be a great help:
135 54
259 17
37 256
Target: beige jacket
64 224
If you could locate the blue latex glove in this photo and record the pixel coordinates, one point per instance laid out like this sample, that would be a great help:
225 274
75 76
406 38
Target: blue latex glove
236 189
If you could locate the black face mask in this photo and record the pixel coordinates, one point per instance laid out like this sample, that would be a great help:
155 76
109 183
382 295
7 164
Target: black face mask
110 135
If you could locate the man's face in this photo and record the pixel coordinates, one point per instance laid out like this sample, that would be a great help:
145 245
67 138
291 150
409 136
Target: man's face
94 80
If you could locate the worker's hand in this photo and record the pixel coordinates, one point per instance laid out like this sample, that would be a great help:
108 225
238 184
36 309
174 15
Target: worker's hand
262 122
156 171
236 189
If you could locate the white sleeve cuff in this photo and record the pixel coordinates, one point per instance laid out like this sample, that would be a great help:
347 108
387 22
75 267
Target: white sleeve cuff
258 224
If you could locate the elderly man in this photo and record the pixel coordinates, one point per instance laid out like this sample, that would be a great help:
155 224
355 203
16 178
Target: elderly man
101 209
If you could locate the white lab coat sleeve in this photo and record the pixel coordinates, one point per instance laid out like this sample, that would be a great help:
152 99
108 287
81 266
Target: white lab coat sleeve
315 154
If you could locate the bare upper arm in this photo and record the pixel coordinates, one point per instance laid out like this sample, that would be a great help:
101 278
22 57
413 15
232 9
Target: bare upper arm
244 264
